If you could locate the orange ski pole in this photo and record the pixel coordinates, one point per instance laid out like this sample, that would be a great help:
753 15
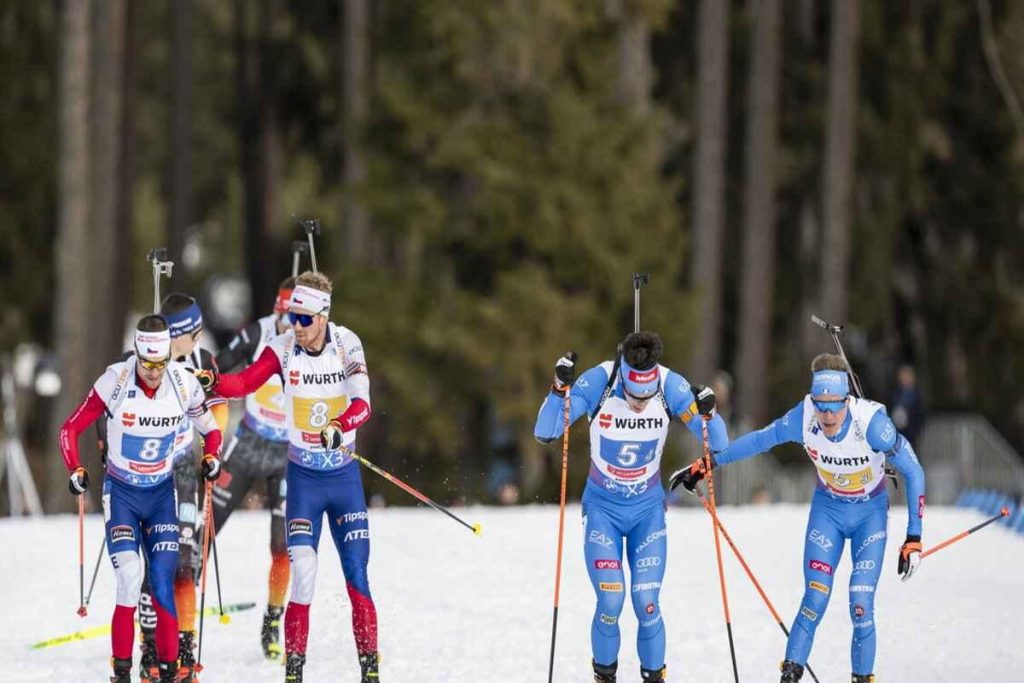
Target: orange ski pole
718 546
964 534
82 611
561 532
208 532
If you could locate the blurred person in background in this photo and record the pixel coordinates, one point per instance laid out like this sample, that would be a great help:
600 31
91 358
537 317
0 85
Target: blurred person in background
259 452
849 440
907 407
630 403
143 414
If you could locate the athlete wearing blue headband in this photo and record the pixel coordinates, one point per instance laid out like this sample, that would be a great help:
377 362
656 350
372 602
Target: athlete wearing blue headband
630 403
849 440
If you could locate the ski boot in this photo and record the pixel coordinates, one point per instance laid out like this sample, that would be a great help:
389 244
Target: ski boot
186 657
649 676
149 667
122 671
605 673
863 678
168 672
791 672
270 635
369 663
293 664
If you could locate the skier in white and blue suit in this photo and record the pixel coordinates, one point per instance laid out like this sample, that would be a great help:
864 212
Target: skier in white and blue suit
849 440
630 403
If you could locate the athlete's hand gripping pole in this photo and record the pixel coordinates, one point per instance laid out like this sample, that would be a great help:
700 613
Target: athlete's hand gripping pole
718 544
82 611
750 574
161 266
964 534
475 528
567 391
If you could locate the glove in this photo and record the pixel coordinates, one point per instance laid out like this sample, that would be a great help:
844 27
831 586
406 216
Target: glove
79 481
332 436
565 372
910 557
207 377
705 397
689 476
211 467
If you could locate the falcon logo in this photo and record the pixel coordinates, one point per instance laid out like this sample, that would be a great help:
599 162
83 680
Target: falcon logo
293 378
128 419
604 420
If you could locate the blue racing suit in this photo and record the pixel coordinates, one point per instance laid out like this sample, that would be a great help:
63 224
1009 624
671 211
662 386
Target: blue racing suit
860 516
624 498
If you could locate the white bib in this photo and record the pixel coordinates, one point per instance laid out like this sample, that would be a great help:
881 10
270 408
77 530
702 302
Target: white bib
849 467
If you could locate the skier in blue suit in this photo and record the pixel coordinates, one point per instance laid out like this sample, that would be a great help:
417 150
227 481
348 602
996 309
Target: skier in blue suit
630 403
849 440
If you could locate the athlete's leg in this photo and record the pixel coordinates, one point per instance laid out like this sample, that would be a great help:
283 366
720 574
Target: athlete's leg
123 533
602 551
160 545
350 529
867 552
823 546
305 512
277 582
646 548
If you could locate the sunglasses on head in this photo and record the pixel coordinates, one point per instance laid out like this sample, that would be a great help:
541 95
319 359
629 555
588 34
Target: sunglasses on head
829 406
303 319
154 364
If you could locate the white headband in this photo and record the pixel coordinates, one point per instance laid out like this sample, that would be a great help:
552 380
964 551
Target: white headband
310 299
153 345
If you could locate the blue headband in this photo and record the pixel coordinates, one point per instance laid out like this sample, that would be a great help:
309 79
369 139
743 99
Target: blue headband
640 383
831 382
186 322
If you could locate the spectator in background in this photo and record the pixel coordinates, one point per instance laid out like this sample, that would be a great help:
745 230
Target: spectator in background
907 408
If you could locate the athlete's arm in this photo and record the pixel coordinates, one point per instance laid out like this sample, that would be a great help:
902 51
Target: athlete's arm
241 347
203 419
357 384
250 379
682 402
883 437
583 398
786 429
83 416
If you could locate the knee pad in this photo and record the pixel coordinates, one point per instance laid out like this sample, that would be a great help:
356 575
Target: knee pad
128 572
304 564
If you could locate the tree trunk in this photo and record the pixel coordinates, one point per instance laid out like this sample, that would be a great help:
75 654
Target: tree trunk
72 303
709 180
841 132
355 80
123 250
180 205
105 112
757 288
633 89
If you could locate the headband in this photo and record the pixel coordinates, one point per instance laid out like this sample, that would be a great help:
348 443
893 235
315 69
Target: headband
153 345
185 322
830 382
640 383
310 299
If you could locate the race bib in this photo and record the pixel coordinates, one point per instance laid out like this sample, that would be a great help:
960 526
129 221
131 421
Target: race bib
311 415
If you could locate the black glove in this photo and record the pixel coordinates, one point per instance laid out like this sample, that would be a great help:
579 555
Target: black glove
211 467
689 476
79 481
207 377
332 436
705 397
910 557
565 372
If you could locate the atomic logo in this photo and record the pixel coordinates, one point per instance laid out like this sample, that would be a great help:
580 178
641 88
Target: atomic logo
128 419
293 377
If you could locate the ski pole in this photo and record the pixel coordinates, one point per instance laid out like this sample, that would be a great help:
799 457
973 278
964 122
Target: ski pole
96 569
224 618
207 532
298 249
310 226
964 534
718 546
750 574
475 528
161 266
82 611
561 534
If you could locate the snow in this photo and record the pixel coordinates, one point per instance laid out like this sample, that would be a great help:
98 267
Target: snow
454 607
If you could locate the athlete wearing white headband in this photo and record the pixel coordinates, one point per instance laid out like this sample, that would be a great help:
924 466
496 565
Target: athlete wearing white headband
153 345
306 298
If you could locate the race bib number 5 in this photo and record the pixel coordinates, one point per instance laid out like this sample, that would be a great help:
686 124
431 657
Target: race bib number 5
310 415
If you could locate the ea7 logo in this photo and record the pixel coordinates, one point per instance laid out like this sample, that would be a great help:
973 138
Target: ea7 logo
128 419
599 538
820 539
293 377
357 534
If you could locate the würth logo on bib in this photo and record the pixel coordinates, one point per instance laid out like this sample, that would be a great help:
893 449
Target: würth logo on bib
643 377
605 420
293 378
128 419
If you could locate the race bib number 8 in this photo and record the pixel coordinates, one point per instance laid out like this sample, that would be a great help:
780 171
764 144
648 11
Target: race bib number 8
313 414
146 448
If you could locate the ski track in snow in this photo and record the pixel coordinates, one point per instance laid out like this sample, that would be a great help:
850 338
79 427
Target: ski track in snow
453 607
